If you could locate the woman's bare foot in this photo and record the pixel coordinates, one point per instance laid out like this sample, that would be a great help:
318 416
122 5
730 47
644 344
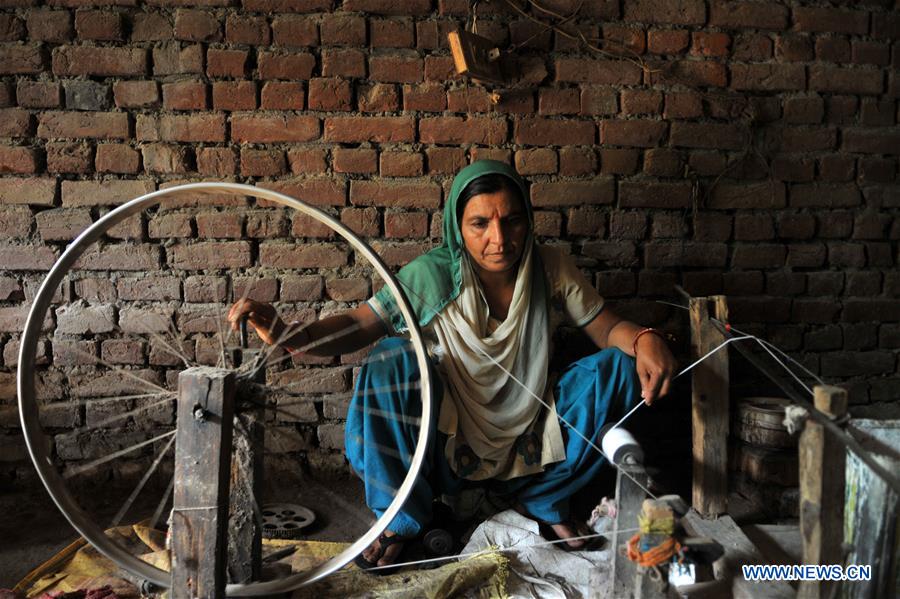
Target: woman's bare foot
383 556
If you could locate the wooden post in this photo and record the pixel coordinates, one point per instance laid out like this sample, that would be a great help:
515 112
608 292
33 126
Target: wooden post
822 459
244 528
709 408
202 471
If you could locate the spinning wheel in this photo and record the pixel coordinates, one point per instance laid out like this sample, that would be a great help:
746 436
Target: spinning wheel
88 342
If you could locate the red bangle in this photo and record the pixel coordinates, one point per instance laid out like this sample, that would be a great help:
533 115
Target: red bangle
644 332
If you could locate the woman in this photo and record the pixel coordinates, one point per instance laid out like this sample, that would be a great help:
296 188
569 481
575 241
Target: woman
488 300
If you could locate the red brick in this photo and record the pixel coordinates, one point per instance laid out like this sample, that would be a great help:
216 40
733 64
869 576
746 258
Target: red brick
445 161
317 191
103 193
691 73
663 162
247 29
303 225
329 94
274 128
574 162
107 62
27 257
18 159
286 66
683 105
266 224
69 157
170 225
234 95
304 160
679 255
429 97
752 47
641 101
337 62
831 20
710 44
539 132
559 101
101 25
440 69
481 153
21 59
644 134
399 254
751 15
220 162
306 255
220 225
793 169
667 41
800 139
879 140
342 30
117 158
97 125
391 33
707 135
388 7
863 52
135 94
196 26
396 194
226 63
676 12
469 99
38 94
282 95
352 129
538 161
15 222
804 110
736 196
768 77
396 69
31 190
624 41
793 48
378 97
400 164
184 95
600 190
832 49
165 158
209 254
189 128
851 81
405 225
354 160
151 27
598 71
886 25
62 224
362 221
49 25
598 101
655 195
295 31
347 290
287 5
12 28
619 162
457 130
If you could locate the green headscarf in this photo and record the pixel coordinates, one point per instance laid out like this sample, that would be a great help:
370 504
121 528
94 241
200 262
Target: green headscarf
433 280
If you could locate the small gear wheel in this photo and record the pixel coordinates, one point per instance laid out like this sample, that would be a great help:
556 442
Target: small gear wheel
285 520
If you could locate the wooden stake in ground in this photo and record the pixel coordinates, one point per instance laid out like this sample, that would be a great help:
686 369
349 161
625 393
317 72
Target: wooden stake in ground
822 459
709 408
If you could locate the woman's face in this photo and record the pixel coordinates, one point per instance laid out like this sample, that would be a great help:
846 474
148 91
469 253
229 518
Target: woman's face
494 227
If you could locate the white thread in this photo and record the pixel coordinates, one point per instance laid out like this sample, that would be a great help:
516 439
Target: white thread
794 417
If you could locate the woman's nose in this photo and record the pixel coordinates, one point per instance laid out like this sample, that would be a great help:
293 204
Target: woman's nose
496 234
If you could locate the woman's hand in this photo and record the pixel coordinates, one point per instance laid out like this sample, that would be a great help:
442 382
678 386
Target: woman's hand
262 317
656 367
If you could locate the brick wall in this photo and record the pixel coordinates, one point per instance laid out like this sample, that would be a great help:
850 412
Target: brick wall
746 148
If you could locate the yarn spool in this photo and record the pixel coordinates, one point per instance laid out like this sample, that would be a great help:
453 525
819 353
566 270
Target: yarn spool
620 447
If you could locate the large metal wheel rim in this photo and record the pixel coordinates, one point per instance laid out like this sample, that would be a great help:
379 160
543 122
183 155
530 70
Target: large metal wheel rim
29 415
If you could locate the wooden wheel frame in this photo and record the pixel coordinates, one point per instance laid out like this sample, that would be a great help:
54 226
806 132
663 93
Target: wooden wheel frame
35 437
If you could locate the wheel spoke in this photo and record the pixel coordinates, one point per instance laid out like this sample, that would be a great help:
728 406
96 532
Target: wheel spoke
108 458
123 371
124 509
163 502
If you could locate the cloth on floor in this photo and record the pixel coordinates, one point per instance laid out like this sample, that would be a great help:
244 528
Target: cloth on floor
537 569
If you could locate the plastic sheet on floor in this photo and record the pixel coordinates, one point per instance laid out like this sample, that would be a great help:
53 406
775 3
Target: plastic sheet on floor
537 569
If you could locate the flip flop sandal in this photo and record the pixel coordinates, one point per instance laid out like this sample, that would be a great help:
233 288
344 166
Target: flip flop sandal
384 542
592 544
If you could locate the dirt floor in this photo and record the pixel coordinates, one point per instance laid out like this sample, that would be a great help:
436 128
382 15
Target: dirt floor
32 529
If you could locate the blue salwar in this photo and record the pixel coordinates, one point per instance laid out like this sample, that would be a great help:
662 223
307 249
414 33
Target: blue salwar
384 416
